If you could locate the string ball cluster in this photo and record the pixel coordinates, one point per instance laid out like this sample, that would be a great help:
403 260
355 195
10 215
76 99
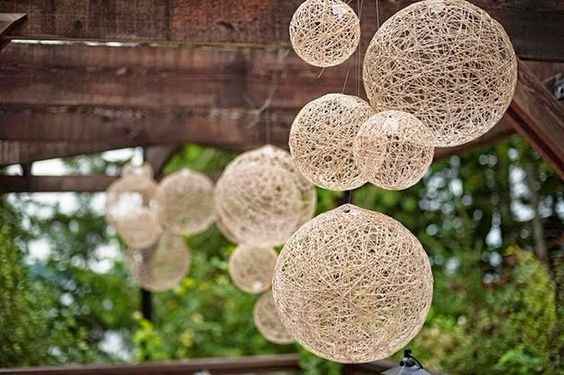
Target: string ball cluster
324 33
185 203
321 140
251 268
267 321
392 150
161 267
448 63
353 285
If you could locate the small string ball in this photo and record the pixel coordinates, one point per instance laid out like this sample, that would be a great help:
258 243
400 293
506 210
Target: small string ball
324 33
448 63
353 285
321 140
184 201
161 267
251 268
224 231
276 157
392 150
139 228
259 205
268 321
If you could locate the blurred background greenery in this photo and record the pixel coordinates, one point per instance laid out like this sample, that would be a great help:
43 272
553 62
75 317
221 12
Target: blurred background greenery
491 221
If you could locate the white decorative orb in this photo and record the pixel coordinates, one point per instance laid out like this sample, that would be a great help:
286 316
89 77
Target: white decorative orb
185 203
324 32
224 231
139 228
268 323
259 205
448 63
251 268
128 193
353 285
392 150
277 157
161 267
321 140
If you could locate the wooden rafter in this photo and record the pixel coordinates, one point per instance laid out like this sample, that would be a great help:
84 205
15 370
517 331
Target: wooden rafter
256 23
7 22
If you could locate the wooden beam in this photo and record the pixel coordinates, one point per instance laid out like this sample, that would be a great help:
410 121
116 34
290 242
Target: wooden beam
50 184
158 157
7 22
535 26
539 117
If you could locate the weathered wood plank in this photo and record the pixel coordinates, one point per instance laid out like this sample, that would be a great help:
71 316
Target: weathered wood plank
7 22
539 117
535 26
50 184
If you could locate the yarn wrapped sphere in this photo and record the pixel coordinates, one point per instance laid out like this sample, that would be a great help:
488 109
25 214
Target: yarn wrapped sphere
224 231
321 140
267 321
324 32
392 150
184 201
259 205
353 285
277 157
139 228
161 267
251 268
448 63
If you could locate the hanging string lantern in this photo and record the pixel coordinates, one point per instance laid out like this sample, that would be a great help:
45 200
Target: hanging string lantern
276 157
321 140
224 231
184 201
268 321
251 268
139 228
392 150
161 267
353 285
259 205
135 189
448 63
324 32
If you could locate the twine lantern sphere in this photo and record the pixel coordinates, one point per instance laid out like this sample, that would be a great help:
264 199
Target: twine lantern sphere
324 33
224 231
321 140
276 157
184 201
251 268
353 285
161 267
268 323
448 63
139 228
258 204
392 150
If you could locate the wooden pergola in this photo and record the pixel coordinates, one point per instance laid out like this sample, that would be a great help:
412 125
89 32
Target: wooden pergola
86 76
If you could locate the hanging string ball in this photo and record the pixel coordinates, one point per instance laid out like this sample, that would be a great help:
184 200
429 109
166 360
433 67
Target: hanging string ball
353 285
259 205
276 157
392 150
267 321
161 267
184 201
448 63
251 268
321 140
324 32
139 228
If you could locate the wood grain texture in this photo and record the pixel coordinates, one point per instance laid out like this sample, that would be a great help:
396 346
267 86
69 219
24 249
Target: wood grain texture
535 26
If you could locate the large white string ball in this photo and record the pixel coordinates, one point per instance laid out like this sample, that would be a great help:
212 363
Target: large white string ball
259 205
251 268
277 157
268 323
161 267
353 285
185 203
321 140
324 32
392 150
448 63
139 228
